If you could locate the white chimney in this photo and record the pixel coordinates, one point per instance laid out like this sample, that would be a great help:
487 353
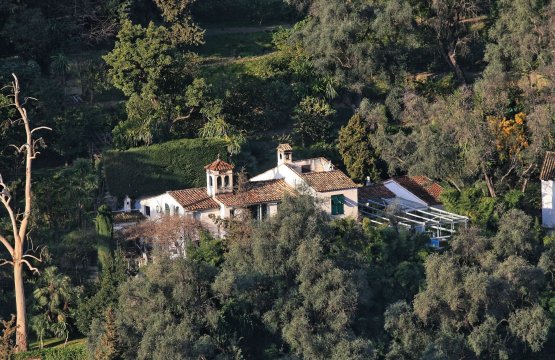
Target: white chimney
127 203
368 181
284 154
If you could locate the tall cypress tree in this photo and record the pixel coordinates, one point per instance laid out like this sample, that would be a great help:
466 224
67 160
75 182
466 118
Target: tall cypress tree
104 230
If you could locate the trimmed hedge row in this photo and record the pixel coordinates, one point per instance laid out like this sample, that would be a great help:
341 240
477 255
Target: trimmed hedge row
77 351
151 170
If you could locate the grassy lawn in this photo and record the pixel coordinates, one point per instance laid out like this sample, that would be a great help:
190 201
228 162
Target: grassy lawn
237 45
217 70
55 342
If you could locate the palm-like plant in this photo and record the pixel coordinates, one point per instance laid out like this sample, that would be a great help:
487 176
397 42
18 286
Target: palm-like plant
218 127
59 67
53 296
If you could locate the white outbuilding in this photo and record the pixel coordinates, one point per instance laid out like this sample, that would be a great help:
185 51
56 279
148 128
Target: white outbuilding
547 176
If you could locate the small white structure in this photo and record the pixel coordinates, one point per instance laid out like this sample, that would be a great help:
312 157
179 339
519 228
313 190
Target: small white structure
547 176
261 194
127 203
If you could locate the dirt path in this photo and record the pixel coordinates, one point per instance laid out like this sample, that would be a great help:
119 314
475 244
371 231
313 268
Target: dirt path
244 29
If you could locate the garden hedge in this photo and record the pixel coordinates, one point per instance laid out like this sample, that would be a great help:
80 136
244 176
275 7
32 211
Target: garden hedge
154 169
77 351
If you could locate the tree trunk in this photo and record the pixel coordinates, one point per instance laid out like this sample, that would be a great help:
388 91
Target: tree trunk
451 58
489 183
21 332
524 185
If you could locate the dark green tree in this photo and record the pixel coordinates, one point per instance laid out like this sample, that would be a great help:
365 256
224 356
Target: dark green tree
313 120
479 298
279 290
106 295
174 314
153 70
355 144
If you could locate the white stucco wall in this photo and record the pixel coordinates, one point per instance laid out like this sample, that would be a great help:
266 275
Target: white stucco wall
281 172
402 193
548 201
272 209
160 201
350 207
316 164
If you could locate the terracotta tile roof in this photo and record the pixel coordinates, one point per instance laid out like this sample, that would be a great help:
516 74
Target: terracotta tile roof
375 191
548 167
219 165
285 147
421 186
323 181
194 199
257 192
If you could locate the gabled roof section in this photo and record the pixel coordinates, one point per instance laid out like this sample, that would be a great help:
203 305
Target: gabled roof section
323 181
257 192
285 147
194 199
423 187
375 191
219 165
548 167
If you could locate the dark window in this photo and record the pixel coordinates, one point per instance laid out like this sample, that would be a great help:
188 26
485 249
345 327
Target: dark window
287 156
226 181
176 210
305 169
254 211
219 182
147 210
210 180
264 211
337 202
167 209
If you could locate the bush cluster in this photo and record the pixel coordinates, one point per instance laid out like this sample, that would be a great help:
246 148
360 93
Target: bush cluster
76 351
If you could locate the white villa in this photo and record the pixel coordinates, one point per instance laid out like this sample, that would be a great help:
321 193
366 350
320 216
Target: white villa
337 192
412 202
547 177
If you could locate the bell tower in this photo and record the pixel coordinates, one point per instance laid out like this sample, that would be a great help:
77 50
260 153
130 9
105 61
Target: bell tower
219 177
284 154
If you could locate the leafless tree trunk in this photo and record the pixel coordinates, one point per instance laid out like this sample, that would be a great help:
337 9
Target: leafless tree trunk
20 221
489 183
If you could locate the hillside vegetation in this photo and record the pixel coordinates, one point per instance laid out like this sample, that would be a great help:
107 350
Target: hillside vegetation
141 94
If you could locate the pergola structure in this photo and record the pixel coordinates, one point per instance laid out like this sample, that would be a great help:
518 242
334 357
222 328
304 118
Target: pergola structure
438 223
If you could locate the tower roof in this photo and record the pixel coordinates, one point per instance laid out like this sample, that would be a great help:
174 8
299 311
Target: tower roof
219 165
285 147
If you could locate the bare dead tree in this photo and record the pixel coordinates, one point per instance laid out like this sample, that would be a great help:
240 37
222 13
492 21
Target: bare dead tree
167 233
238 227
19 254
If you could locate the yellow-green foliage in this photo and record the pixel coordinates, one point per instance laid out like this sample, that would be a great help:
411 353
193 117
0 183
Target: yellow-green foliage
151 170
76 351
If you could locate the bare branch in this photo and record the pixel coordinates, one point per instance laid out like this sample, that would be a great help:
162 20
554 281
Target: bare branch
5 262
32 257
6 244
41 128
18 149
30 267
